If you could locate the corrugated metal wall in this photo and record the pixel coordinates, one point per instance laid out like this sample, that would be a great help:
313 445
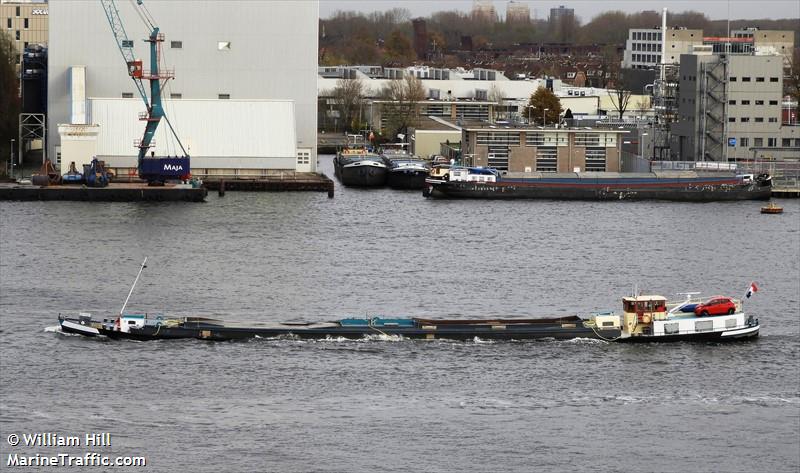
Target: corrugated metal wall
272 55
241 134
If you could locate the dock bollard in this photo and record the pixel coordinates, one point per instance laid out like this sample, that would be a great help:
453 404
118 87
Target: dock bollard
330 192
221 190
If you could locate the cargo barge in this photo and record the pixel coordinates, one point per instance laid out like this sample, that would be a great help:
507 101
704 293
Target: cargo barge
486 183
644 319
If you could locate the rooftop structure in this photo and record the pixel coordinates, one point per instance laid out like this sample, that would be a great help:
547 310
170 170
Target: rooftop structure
25 22
518 13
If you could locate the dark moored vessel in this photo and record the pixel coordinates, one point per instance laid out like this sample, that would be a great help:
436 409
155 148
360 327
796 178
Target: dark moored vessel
359 168
687 186
405 171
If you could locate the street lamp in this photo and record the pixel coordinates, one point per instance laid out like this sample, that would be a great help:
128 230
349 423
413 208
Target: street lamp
641 145
544 117
12 158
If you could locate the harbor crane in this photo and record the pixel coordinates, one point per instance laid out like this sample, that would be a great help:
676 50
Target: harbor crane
155 170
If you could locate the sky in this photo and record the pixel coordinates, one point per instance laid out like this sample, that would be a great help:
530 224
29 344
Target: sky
585 9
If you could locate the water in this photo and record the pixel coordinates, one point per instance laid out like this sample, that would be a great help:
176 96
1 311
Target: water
388 405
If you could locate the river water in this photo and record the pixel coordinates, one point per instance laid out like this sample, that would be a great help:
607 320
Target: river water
389 405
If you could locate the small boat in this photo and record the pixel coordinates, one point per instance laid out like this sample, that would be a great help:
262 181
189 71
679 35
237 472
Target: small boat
772 208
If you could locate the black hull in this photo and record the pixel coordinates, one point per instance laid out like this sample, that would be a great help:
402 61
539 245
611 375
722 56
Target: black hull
406 180
558 329
361 176
473 190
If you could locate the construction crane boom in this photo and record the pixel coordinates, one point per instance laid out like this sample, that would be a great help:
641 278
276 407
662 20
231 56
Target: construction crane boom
154 170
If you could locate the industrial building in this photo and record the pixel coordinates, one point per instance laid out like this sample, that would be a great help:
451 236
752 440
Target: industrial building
643 48
25 22
458 94
243 100
542 149
730 107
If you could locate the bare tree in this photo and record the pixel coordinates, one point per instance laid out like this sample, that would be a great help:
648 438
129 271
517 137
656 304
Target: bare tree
349 98
401 108
496 96
620 99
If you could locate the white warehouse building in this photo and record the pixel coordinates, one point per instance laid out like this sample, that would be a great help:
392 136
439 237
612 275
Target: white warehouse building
244 96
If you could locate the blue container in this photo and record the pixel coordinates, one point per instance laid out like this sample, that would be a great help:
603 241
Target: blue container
169 168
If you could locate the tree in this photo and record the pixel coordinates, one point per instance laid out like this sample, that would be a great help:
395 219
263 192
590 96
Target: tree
398 47
9 97
496 96
620 94
402 97
349 98
543 107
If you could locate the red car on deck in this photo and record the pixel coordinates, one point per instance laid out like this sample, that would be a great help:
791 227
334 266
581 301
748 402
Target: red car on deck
717 305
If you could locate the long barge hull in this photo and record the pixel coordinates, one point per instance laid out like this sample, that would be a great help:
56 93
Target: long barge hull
699 191
202 329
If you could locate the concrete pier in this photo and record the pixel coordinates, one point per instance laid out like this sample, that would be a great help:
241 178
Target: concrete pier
278 181
114 192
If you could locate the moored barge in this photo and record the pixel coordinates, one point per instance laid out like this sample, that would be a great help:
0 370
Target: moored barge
686 186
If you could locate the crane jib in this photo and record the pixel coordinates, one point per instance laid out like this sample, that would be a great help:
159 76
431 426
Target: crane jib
152 169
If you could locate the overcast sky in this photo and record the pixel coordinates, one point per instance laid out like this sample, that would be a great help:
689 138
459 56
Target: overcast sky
585 9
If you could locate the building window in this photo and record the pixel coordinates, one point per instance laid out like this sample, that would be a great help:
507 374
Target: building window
744 142
176 96
8 23
797 142
127 95
224 46
17 11
772 142
773 119
773 102
732 79
732 119
595 159
759 79
759 119
786 142
224 96
17 35
546 159
758 142
731 102
745 79
745 102
25 23
773 79
176 44
759 102
744 119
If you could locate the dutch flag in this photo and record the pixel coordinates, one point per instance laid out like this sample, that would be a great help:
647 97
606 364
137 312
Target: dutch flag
750 290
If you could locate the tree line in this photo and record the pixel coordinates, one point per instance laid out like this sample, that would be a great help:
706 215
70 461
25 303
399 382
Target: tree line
386 38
